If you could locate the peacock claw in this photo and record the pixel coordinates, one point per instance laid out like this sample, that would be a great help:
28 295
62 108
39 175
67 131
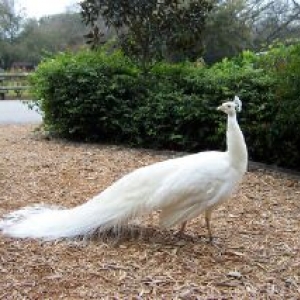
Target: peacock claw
214 242
211 240
181 234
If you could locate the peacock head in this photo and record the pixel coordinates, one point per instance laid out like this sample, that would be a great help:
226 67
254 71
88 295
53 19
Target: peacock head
231 107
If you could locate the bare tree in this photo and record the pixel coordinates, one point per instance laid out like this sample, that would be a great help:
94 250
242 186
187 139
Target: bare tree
235 25
272 20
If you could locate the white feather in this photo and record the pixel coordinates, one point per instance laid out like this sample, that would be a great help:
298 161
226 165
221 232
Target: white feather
181 188
238 103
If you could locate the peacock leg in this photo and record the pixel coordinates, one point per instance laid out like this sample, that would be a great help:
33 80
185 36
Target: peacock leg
182 228
207 220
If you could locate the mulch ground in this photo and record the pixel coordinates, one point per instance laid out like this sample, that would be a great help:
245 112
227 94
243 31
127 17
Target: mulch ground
256 253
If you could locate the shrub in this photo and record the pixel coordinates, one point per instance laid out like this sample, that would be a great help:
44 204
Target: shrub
88 96
283 64
100 97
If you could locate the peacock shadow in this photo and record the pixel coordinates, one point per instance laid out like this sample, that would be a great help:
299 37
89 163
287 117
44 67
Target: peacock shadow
149 235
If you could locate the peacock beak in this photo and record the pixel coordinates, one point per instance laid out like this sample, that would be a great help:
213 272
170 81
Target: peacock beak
219 108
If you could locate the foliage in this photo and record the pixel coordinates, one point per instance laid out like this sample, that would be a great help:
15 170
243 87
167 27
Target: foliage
10 26
226 33
283 63
10 20
151 29
230 27
80 95
49 34
107 98
234 26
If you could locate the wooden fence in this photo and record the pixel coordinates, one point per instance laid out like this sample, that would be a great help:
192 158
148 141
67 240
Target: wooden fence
13 84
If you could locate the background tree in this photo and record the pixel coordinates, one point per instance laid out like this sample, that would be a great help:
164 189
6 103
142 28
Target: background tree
10 20
227 33
50 35
278 21
150 29
236 25
10 26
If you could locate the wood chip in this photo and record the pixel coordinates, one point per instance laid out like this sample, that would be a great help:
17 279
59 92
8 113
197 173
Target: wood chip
255 254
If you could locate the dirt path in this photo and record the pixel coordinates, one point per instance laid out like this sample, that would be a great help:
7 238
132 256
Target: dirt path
256 255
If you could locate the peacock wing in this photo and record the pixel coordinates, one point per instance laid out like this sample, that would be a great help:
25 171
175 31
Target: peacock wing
190 191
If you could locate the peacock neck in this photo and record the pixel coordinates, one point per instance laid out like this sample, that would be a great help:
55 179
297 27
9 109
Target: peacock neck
236 146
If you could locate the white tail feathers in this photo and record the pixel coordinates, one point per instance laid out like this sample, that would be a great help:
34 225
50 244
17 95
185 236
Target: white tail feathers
56 223
124 200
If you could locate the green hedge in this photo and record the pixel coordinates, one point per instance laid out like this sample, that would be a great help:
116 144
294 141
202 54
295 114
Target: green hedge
98 97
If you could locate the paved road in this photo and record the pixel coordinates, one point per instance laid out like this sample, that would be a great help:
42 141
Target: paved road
16 112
